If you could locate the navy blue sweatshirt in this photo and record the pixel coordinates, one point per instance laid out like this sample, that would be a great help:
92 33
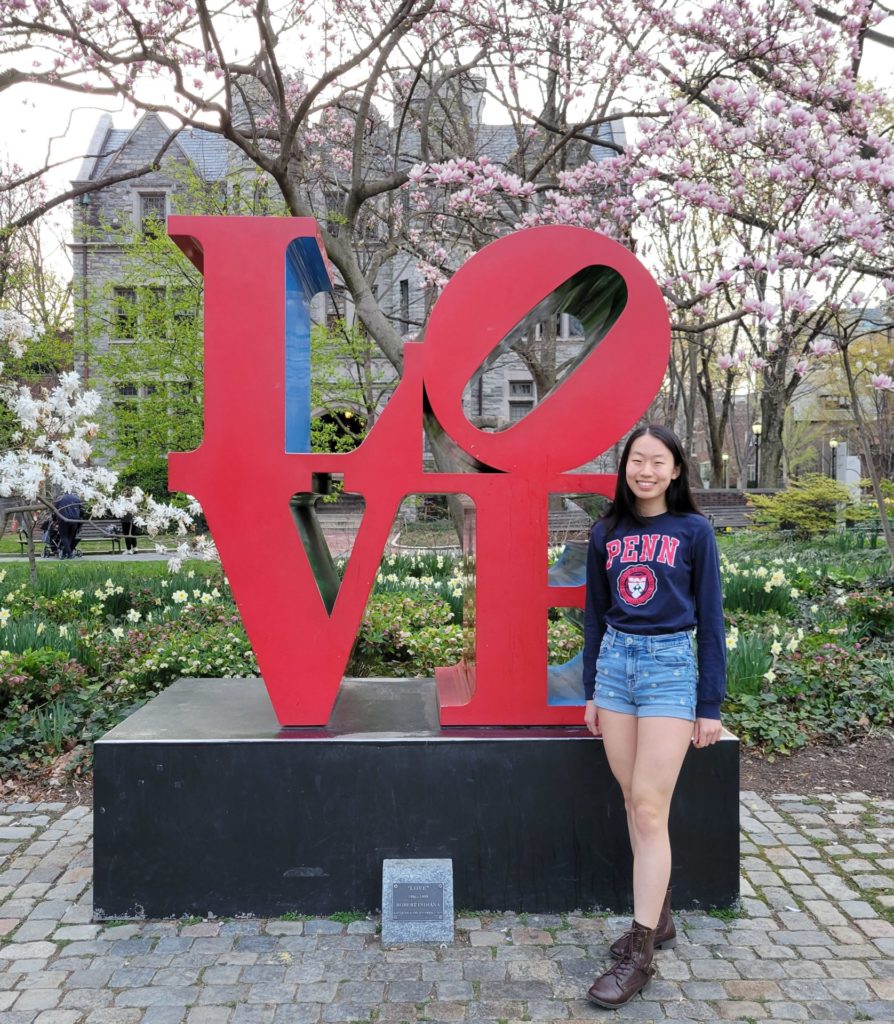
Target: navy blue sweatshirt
661 577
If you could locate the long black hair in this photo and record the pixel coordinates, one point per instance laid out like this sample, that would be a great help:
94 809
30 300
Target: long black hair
678 495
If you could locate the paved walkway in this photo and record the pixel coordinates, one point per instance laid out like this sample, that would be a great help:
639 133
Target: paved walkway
812 943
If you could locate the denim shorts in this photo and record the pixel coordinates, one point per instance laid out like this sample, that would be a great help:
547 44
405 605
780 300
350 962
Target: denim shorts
646 676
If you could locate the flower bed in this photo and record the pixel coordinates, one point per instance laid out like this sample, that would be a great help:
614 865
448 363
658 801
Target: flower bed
811 641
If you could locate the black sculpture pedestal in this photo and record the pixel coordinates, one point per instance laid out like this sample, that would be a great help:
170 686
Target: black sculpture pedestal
203 804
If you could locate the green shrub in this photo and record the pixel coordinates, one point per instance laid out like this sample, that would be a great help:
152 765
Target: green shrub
32 678
564 640
387 644
813 658
824 690
145 661
872 611
810 505
55 726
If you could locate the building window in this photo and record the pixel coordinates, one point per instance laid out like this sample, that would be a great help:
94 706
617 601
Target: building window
127 432
521 399
153 210
124 314
836 402
155 312
184 313
128 390
404 305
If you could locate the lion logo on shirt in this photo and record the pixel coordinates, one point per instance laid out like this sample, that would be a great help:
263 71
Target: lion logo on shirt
637 585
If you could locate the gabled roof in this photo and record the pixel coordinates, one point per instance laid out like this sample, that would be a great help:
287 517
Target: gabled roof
206 151
111 147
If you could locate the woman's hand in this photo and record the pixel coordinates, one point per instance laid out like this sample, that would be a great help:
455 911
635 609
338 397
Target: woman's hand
706 732
591 719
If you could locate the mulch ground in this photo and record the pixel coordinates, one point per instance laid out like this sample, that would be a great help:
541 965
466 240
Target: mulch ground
866 766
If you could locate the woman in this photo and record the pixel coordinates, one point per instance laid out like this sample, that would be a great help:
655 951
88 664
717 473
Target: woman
653 577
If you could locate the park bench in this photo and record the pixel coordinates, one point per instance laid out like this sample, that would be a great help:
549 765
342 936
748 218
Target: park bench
567 525
339 521
101 530
723 519
573 525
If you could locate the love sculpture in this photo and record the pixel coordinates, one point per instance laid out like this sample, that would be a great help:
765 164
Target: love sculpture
256 478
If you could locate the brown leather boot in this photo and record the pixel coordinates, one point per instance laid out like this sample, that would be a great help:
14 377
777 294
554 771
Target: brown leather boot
665 932
629 975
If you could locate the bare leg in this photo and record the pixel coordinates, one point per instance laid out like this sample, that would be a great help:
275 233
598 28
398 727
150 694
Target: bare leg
661 747
619 737
645 756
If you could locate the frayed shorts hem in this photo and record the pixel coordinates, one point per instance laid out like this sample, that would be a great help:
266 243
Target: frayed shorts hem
652 711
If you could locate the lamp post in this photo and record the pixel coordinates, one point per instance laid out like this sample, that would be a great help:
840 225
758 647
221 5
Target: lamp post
724 458
756 430
833 450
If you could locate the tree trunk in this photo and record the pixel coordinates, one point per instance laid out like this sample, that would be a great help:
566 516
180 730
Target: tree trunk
30 521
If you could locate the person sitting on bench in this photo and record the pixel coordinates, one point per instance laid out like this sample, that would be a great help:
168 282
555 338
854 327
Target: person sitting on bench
70 512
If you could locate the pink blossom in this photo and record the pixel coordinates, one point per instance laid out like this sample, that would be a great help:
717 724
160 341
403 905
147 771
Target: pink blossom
801 367
725 362
822 347
883 382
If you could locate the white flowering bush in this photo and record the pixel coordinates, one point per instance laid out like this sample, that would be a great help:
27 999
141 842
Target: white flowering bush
50 447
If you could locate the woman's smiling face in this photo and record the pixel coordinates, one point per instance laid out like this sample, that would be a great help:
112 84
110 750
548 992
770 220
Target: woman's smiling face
649 472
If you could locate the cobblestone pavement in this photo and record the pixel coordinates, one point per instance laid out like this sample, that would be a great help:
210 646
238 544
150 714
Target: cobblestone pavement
812 942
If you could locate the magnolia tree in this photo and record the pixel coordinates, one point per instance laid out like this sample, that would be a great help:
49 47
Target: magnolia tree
339 104
771 152
756 183
51 448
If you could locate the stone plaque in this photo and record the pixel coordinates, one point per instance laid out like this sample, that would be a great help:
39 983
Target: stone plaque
417 901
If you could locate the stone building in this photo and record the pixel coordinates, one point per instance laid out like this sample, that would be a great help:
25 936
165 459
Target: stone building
104 218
